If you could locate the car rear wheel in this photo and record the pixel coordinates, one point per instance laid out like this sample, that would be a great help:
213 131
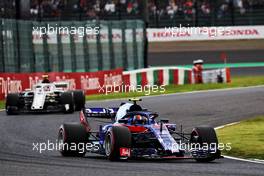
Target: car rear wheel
116 138
79 99
12 104
72 139
206 136
67 100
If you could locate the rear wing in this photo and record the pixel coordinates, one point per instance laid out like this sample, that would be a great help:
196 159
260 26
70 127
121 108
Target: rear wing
62 85
100 112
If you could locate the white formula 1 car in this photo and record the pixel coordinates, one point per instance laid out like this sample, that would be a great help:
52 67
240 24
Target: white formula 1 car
45 97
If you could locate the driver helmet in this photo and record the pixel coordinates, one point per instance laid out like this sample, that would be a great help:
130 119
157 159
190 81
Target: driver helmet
45 79
45 76
139 119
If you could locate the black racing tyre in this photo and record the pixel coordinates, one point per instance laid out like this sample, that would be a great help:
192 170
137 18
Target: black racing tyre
68 99
207 136
116 138
79 100
12 104
69 137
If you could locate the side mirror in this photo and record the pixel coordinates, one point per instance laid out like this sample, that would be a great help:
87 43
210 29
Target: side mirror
154 115
164 121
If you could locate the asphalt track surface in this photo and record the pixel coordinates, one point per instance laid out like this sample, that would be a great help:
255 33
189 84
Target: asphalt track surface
211 57
249 71
18 133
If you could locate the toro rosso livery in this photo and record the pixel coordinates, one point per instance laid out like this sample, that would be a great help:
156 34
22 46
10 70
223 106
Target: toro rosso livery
45 97
135 133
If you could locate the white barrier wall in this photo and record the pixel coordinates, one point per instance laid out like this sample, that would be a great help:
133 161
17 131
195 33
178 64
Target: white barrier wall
158 76
215 76
173 75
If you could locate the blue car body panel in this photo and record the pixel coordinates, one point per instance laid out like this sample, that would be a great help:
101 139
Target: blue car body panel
164 137
160 132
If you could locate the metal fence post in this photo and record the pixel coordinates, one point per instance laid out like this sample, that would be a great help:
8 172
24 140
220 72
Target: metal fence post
86 53
135 49
99 49
111 45
145 37
73 53
60 52
30 40
2 56
124 46
17 46
46 52
25 45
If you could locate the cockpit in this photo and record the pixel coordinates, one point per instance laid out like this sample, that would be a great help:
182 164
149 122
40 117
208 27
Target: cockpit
136 119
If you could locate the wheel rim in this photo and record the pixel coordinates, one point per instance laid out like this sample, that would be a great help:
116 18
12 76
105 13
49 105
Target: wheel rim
61 140
108 146
195 137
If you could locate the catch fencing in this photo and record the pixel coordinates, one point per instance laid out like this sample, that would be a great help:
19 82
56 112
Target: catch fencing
72 46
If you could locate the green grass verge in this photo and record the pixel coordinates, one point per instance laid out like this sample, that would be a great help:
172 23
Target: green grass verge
236 82
246 138
2 104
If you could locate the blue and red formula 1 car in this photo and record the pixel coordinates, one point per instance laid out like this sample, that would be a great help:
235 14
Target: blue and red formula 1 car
135 133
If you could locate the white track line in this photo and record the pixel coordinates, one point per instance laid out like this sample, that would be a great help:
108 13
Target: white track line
234 123
259 160
245 160
212 90
235 158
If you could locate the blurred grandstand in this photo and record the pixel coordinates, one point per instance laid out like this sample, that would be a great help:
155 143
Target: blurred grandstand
160 12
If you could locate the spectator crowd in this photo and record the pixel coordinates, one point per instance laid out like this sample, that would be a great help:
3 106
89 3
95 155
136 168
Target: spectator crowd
187 8
121 9
126 8
84 8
